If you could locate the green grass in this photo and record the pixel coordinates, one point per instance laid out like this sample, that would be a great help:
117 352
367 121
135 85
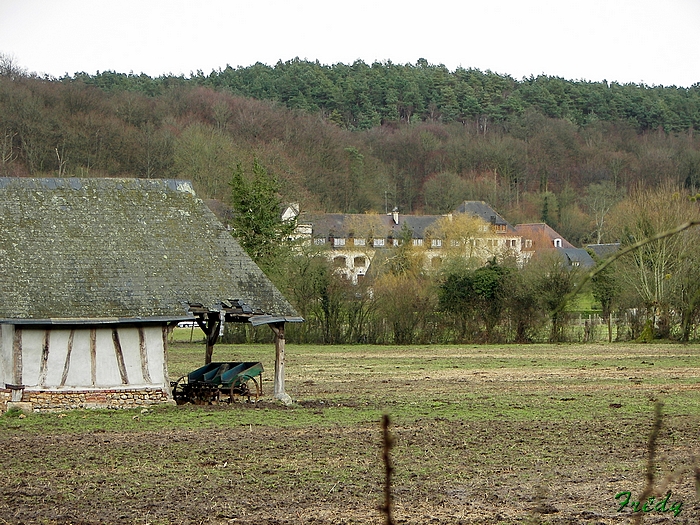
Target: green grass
479 430
351 385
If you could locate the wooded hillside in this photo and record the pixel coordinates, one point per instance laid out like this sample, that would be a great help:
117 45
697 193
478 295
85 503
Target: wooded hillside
353 138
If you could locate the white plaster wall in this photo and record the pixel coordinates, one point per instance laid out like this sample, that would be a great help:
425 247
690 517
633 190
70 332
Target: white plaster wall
80 364
106 367
32 342
6 337
157 367
129 339
54 369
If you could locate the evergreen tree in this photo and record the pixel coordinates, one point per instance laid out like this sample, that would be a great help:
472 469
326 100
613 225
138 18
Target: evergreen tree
257 221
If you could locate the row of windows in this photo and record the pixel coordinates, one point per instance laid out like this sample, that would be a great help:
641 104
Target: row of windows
339 242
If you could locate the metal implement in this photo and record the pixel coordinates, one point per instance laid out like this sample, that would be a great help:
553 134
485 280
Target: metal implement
207 384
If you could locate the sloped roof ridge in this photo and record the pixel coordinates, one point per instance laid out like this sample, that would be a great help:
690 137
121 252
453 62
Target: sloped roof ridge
120 248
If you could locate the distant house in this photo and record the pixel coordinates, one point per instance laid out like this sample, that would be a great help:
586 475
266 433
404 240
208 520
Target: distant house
352 240
95 274
540 237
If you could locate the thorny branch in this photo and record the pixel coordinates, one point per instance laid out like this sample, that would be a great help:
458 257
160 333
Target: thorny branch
651 446
388 469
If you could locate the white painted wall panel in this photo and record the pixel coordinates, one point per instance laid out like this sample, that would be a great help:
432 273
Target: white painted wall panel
32 342
107 369
7 332
79 370
76 361
58 349
156 355
129 340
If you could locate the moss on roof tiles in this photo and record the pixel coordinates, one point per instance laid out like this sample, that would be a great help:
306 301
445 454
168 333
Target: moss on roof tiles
87 248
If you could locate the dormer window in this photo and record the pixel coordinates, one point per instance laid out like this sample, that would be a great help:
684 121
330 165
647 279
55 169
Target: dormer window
378 243
417 242
359 242
436 243
339 241
557 243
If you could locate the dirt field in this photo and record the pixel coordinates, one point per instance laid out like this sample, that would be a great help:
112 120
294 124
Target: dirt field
493 435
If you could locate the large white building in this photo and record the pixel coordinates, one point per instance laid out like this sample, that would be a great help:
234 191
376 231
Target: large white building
474 230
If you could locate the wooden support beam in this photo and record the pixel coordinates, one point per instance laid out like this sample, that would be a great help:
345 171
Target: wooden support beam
210 325
278 391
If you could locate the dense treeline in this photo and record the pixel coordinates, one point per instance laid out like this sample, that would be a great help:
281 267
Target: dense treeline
546 158
363 96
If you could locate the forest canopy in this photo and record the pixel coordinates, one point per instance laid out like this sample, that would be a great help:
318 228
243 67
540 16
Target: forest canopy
364 137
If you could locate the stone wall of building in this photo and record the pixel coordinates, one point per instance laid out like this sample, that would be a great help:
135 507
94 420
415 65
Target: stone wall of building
5 397
44 400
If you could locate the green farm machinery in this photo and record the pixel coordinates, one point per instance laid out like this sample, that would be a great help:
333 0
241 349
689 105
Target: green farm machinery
215 382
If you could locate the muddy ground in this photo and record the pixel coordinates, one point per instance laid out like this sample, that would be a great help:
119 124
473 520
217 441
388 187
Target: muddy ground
320 462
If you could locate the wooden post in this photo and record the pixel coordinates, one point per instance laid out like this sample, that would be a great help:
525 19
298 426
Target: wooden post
279 393
17 368
210 326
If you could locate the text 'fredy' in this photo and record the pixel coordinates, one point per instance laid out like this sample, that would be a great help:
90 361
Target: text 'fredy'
636 506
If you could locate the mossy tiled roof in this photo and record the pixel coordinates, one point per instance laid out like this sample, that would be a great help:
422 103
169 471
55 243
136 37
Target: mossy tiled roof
119 248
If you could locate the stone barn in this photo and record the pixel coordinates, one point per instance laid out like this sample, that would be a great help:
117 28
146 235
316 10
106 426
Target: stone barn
95 273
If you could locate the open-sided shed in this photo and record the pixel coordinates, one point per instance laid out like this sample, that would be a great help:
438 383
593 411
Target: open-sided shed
96 271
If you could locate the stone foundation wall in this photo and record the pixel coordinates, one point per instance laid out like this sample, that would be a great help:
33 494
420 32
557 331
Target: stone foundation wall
65 400
5 397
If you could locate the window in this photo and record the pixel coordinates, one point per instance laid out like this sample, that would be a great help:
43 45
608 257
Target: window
319 241
528 243
557 243
339 241
454 243
378 243
417 242
359 242
436 243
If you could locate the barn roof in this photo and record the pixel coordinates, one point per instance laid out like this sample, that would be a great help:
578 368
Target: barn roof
73 250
